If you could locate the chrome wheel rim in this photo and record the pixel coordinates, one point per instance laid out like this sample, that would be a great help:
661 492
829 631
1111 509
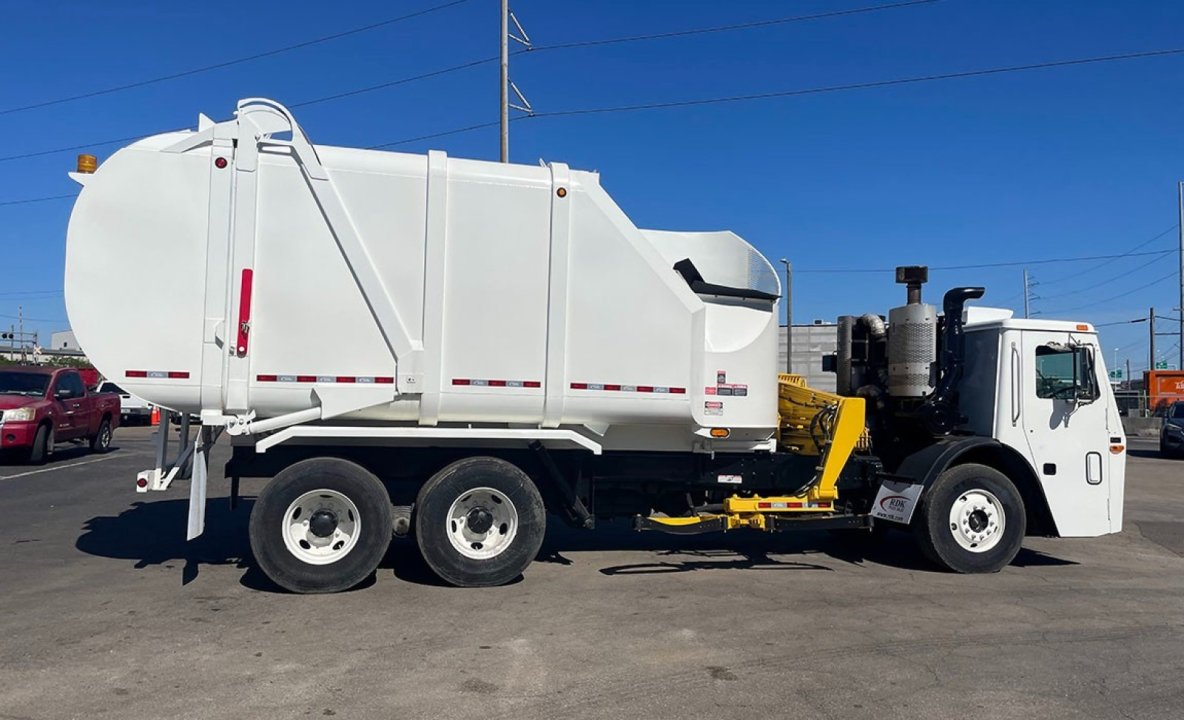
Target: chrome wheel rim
321 526
482 523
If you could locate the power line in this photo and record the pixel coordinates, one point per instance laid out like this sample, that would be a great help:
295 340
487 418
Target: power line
728 28
862 85
1100 266
456 131
477 63
981 266
1107 281
36 200
30 293
236 61
1169 276
825 89
87 146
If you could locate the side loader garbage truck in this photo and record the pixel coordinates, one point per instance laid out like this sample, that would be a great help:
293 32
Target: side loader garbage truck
460 350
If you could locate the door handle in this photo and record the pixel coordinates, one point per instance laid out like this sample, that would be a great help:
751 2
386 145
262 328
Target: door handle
75 406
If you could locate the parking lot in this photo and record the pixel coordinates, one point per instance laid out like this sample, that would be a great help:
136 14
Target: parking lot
105 611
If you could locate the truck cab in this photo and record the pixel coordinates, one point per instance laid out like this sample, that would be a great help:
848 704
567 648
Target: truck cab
1039 387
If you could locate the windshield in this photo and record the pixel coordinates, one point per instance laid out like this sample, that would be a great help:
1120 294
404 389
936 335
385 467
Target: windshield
23 383
1178 411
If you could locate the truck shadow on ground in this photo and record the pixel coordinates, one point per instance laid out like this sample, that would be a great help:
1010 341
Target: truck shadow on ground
153 534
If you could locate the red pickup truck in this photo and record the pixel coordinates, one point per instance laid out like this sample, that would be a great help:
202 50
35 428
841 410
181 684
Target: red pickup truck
42 406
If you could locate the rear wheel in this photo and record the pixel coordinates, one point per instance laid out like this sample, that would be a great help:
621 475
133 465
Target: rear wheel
101 442
479 522
971 520
321 525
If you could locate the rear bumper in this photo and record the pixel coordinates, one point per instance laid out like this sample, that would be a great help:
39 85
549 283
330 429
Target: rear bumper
17 435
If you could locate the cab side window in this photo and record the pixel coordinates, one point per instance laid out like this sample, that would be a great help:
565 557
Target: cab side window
1065 373
71 384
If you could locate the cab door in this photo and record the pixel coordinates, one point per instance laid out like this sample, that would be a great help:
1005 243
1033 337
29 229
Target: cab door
1065 409
70 407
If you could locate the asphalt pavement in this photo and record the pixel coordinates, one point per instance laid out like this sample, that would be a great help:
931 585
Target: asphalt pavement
106 611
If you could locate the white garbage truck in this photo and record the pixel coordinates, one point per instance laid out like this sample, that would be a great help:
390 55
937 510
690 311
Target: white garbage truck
455 348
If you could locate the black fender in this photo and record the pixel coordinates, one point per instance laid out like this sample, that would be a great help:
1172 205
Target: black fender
925 465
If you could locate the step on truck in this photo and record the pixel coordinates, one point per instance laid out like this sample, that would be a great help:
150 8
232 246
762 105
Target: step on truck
463 350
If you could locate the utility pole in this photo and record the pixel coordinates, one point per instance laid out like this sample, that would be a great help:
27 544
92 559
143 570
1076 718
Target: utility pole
1180 309
1151 329
1128 373
20 319
788 315
508 85
1027 293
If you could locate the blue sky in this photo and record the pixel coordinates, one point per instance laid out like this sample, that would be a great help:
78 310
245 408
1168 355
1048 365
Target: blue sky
1055 163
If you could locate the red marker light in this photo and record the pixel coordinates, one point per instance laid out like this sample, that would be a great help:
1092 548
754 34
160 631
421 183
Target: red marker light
220 163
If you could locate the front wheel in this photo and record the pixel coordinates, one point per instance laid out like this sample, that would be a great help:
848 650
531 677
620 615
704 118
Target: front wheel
321 525
971 520
479 522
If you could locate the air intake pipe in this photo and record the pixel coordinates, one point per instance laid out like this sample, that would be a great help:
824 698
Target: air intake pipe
940 411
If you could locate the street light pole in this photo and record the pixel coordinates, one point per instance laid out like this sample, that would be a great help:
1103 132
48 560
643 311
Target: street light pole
788 315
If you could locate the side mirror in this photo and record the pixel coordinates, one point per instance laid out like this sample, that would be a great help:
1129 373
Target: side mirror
1085 384
63 394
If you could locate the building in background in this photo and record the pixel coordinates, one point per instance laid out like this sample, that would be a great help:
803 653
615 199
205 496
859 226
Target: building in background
810 343
63 340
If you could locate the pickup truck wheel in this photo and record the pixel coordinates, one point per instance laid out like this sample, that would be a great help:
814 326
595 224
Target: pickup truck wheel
971 520
41 448
479 522
321 525
101 442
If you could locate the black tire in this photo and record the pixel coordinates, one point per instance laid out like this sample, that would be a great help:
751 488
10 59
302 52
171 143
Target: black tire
433 525
39 452
932 526
101 441
268 519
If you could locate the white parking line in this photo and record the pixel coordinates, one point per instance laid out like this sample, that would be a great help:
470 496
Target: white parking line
63 467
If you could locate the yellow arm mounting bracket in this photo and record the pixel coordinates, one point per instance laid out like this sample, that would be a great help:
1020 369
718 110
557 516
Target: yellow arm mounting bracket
816 422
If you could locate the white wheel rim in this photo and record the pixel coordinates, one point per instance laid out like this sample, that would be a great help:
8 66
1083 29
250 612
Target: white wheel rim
977 520
482 523
321 527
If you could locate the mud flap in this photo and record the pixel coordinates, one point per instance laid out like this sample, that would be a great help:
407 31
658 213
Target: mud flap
896 501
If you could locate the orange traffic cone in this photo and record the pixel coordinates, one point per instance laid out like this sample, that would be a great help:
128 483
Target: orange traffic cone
155 415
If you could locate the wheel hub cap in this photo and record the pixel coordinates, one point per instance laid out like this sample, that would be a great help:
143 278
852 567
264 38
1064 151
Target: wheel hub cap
977 520
479 520
482 523
322 523
321 527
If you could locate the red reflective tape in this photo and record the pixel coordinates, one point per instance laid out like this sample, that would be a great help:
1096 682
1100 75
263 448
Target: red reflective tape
822 504
461 381
346 379
267 378
385 380
306 378
614 388
793 504
764 505
497 383
678 391
532 384
645 388
178 375
244 310
579 386
136 373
